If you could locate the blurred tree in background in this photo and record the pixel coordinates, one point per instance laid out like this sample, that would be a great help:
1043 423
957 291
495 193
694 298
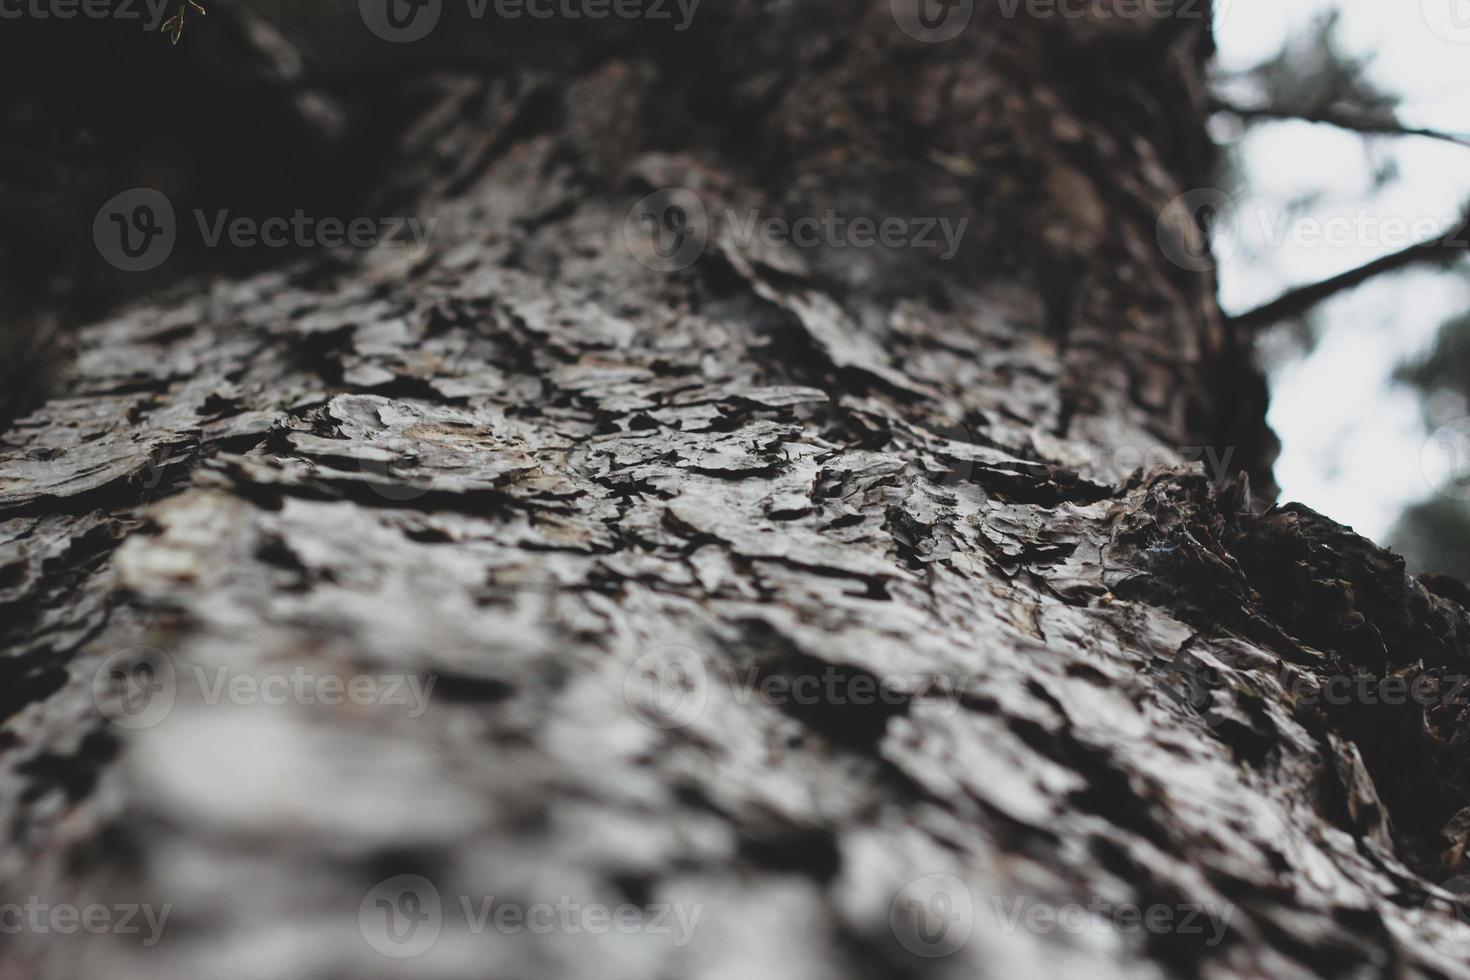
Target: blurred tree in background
1435 533
1315 79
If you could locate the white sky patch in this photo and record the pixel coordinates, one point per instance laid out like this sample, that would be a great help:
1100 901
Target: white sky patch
1351 439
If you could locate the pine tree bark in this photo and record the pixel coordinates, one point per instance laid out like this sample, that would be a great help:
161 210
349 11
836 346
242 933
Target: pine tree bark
853 603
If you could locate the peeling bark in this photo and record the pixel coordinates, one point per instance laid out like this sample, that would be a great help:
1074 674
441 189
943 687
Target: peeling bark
604 525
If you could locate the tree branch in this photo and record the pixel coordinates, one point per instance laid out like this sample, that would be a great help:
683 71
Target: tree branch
1327 117
1443 249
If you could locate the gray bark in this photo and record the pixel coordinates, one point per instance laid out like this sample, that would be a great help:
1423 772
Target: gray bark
804 590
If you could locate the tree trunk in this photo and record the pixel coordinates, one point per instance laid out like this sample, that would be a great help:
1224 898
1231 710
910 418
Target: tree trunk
848 609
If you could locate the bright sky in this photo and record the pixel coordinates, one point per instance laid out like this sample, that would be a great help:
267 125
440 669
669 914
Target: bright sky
1352 443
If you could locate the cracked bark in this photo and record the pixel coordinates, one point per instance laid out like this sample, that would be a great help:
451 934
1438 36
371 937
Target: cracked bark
532 472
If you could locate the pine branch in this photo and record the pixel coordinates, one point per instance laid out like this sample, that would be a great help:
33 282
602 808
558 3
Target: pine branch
1442 250
1342 120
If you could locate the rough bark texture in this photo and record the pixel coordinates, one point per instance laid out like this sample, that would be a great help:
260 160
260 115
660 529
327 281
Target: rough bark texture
548 478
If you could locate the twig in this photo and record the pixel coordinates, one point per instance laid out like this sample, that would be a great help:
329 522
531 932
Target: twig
174 26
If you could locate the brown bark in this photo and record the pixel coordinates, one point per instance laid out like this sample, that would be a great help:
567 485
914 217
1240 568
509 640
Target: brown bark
657 538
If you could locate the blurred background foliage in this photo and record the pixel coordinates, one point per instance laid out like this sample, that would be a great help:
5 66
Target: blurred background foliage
1315 79
1434 533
